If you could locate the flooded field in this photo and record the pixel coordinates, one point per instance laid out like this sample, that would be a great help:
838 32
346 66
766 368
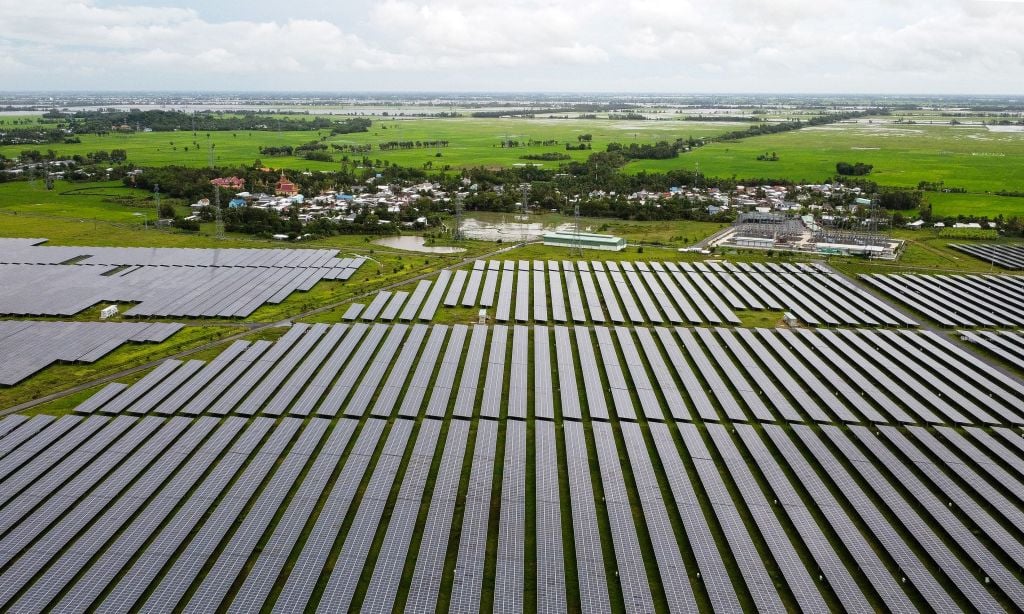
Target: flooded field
414 243
506 231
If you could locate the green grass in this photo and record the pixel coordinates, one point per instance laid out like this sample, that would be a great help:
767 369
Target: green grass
103 201
948 204
970 157
759 319
472 142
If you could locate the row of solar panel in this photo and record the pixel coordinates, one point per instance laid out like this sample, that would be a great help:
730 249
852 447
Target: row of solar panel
739 374
29 251
61 290
1005 256
639 293
27 347
1007 345
958 300
149 513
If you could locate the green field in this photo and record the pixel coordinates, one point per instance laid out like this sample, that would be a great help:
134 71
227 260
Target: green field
473 142
108 201
903 155
946 204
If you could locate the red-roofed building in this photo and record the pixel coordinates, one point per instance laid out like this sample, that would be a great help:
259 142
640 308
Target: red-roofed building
285 187
229 183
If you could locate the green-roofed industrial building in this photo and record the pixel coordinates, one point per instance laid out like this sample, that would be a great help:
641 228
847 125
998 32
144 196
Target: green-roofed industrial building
585 240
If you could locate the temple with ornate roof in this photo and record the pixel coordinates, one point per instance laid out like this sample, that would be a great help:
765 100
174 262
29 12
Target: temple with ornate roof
285 187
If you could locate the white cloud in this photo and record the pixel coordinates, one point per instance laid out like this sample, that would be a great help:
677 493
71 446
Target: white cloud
666 45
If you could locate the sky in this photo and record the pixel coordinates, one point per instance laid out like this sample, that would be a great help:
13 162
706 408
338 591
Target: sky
639 46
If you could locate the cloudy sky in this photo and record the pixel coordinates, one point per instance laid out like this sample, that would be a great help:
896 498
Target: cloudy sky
684 46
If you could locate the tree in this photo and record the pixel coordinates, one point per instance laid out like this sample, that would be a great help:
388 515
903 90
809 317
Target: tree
900 199
859 168
166 210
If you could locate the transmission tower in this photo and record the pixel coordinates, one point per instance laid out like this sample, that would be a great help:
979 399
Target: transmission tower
218 218
47 179
457 233
523 209
577 246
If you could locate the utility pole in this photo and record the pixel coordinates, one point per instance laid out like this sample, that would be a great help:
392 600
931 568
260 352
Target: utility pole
156 193
577 248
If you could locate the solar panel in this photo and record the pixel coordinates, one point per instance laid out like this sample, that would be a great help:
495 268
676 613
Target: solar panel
596 405
434 298
978 514
387 572
671 567
713 572
522 295
218 579
490 285
509 568
590 293
567 389
543 394
666 383
632 572
395 383
586 534
375 372
309 564
551 595
619 283
337 594
469 566
786 381
750 563
114 559
64 568
426 578
465 400
455 291
264 572
394 305
469 299
783 551
607 293
187 566
747 391
490 404
357 364
973 590
715 383
376 305
415 300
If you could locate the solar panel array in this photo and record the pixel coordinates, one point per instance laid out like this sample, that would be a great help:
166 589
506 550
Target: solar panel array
27 347
1007 256
968 301
1007 345
648 293
759 375
238 513
388 463
166 282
